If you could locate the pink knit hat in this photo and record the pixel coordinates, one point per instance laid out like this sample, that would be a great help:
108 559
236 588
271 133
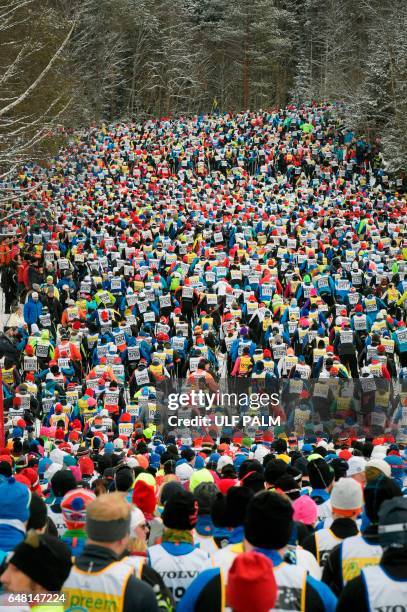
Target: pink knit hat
305 510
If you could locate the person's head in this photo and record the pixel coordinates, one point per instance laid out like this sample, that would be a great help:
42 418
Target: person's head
181 512
251 583
230 510
108 522
321 475
289 486
62 482
376 492
376 468
139 530
124 479
269 521
356 469
99 486
73 507
393 523
206 493
305 510
275 468
38 514
346 499
14 508
39 564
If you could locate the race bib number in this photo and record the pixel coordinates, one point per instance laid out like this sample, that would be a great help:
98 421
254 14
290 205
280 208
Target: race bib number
63 363
165 301
116 284
42 350
193 363
30 364
346 337
142 377
187 292
133 353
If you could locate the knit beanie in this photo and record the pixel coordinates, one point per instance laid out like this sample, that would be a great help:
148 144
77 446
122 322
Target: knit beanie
198 477
181 511
62 482
274 469
230 510
356 466
320 474
173 487
44 559
73 507
124 479
347 497
38 513
377 467
339 466
251 583
32 476
269 520
397 466
305 510
205 493
15 501
289 486
144 494
376 492
222 461
87 466
183 471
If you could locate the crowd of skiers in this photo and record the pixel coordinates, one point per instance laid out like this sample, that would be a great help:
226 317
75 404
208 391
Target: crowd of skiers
258 253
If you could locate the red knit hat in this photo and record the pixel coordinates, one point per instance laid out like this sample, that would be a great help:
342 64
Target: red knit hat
125 417
59 434
144 497
32 476
87 466
73 507
251 583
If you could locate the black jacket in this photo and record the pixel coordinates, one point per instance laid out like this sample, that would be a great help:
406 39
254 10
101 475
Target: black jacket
139 597
354 596
342 528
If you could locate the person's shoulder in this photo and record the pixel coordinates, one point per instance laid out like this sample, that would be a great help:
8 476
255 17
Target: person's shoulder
319 596
139 596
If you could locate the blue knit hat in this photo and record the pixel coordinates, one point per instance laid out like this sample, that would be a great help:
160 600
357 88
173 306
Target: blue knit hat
199 462
109 448
43 464
15 500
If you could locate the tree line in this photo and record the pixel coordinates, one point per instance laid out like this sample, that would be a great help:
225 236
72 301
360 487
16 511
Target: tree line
134 59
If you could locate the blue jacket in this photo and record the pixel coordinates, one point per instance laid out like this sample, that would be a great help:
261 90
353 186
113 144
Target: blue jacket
32 311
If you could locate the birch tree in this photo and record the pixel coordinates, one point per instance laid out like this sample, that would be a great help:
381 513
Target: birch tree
34 93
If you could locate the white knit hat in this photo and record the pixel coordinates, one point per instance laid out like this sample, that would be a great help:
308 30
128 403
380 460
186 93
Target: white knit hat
184 471
260 452
356 465
379 451
381 465
347 495
223 460
137 518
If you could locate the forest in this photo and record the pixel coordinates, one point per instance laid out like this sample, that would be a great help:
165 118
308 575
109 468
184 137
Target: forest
66 64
